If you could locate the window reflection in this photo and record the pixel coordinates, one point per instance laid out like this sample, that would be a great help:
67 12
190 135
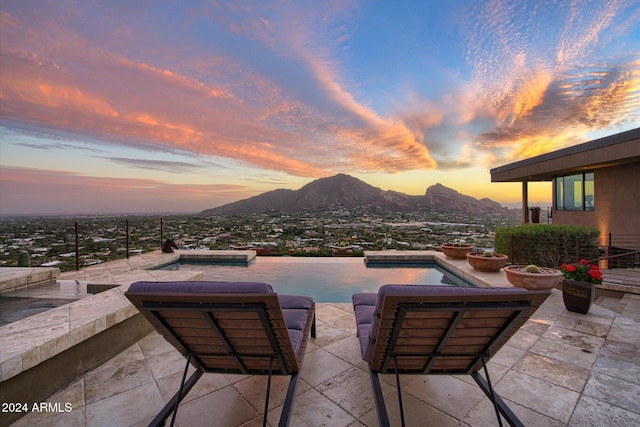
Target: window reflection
589 192
575 192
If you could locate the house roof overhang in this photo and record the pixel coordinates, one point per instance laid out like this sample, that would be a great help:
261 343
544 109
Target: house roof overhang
613 150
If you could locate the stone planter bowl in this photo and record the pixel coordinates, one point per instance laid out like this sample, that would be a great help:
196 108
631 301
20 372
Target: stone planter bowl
482 263
548 278
458 252
342 250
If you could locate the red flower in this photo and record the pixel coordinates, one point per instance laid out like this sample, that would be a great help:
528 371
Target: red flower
595 275
582 271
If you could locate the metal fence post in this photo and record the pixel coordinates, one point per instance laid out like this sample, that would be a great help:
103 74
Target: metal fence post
77 245
512 249
127 235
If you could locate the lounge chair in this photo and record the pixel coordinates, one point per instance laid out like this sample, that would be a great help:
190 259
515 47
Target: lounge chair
230 328
446 330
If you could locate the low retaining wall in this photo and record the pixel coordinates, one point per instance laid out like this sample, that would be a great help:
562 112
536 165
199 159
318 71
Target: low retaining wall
38 383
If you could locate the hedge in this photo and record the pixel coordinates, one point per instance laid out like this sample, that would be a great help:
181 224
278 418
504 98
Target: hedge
547 245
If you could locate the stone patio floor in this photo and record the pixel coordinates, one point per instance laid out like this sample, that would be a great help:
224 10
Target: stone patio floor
560 369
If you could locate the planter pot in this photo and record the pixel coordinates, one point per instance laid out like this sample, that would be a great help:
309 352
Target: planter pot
342 250
548 278
483 263
535 215
577 296
458 252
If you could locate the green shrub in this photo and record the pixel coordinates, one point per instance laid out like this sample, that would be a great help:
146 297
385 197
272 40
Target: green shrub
24 259
547 245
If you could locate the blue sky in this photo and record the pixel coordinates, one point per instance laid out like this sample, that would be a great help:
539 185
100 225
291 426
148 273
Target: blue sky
152 106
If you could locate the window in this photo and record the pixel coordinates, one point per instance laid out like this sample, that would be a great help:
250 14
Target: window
575 192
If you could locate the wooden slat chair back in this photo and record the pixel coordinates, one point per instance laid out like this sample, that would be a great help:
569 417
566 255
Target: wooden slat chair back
439 330
229 328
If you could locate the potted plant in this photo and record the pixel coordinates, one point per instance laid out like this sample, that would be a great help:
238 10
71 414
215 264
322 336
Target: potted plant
487 260
535 214
239 246
578 285
342 248
456 250
532 276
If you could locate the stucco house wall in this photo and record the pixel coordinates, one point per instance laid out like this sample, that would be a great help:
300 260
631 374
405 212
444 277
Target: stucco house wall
617 202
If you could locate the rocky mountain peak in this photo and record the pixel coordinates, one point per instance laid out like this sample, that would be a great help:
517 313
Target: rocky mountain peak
348 192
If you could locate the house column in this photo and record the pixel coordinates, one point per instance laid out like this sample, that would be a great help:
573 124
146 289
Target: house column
525 202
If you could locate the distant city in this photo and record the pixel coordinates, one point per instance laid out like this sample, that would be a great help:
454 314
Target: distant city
51 241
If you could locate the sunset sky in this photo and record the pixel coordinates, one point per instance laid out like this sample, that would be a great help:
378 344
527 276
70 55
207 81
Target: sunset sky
178 106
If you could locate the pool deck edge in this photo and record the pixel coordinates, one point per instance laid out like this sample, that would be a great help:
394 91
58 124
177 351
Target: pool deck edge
459 267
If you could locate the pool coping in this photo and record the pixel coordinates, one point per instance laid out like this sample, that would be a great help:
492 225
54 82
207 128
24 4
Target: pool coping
18 278
27 343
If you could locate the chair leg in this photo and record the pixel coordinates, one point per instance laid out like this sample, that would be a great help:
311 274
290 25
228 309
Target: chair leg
285 416
395 361
172 405
511 418
266 400
381 409
313 326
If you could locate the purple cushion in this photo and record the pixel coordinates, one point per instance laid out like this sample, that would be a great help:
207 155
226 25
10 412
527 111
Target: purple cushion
418 290
368 298
295 302
364 306
295 310
201 287
366 343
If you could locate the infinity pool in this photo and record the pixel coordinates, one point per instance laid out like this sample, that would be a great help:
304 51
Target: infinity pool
324 279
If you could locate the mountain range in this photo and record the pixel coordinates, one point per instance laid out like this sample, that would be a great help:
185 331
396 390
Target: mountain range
347 192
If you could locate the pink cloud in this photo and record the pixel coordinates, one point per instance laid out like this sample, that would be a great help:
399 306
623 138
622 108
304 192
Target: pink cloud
57 78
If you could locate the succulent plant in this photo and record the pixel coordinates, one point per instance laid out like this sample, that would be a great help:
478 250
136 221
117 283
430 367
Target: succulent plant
457 244
24 259
532 269
487 254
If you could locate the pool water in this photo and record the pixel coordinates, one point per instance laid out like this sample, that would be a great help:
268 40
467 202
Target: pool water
323 279
18 304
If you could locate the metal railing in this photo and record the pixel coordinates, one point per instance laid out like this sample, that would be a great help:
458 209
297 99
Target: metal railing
126 237
617 250
629 259
551 251
622 250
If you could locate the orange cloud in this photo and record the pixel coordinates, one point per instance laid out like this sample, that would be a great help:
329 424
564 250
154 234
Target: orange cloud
118 99
542 100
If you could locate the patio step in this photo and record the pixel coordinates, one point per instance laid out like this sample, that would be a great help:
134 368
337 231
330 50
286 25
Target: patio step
612 303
